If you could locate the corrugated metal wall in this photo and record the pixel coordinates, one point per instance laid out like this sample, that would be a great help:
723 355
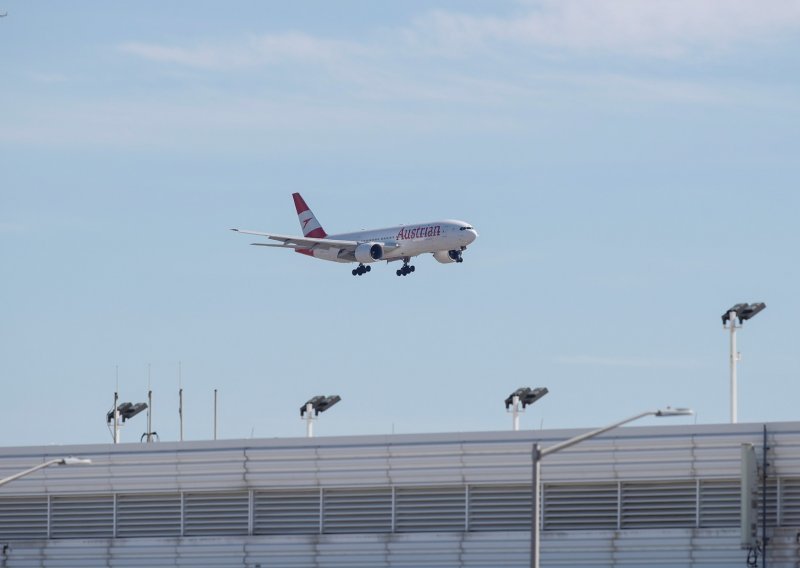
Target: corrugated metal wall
664 496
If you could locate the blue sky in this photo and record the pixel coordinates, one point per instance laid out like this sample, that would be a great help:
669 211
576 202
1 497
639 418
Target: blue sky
631 167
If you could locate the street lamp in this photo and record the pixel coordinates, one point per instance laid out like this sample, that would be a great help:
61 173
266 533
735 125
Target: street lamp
58 461
526 396
743 312
539 454
313 407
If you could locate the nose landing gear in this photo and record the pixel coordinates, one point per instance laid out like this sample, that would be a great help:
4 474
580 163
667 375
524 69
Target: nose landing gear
361 270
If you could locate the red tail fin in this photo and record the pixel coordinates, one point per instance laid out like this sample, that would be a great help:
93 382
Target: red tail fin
308 222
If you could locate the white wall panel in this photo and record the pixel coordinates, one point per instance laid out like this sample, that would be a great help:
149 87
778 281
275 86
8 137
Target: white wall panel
684 477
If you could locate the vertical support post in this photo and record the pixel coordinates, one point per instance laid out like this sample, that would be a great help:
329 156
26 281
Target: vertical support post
180 412
734 359
183 514
764 539
180 402
251 508
466 507
116 418
149 435
515 413
215 414
309 420
536 506
394 509
149 416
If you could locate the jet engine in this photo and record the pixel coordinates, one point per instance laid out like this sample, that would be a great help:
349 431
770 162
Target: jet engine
447 256
369 252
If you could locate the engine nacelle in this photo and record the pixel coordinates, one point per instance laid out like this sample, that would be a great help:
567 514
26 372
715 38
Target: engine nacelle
369 252
447 256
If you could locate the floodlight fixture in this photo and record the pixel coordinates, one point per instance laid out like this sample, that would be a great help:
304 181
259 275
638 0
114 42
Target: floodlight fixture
126 411
313 407
319 404
526 396
743 312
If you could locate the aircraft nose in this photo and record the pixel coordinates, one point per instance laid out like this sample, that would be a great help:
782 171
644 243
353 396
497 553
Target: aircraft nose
473 234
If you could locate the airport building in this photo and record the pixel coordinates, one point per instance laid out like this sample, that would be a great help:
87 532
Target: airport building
666 496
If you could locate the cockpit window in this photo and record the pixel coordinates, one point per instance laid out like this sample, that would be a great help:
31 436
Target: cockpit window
465 228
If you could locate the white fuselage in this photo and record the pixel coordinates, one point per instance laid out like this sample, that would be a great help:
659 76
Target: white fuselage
405 241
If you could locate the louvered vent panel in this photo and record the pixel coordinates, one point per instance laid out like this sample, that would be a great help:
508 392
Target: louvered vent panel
82 516
156 515
719 503
790 502
772 509
357 511
287 512
576 506
23 518
658 505
216 514
499 507
421 509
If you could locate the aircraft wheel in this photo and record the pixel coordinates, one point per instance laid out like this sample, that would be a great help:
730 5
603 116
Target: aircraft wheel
399 273
355 272
368 268
411 268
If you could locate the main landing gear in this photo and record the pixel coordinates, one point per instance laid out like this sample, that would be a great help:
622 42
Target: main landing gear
361 270
406 269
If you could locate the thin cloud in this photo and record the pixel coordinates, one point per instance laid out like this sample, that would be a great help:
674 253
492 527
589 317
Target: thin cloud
634 27
11 228
252 51
47 78
629 362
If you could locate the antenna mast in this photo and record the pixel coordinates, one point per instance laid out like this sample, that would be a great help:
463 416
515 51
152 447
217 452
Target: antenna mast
215 414
180 401
149 435
116 410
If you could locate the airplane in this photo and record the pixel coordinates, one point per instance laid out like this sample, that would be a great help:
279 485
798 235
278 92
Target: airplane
445 240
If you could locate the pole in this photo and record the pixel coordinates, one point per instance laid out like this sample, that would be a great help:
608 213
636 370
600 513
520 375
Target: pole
764 539
180 401
215 414
535 505
309 420
116 412
734 359
116 418
149 416
515 412
180 412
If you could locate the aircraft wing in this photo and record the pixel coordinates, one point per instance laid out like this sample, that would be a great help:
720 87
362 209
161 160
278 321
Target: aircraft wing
310 243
